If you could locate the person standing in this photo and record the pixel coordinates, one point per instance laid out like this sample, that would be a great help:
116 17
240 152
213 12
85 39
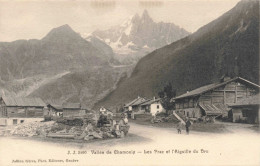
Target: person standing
179 127
187 125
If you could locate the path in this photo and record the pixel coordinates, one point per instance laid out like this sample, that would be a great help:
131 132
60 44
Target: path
240 148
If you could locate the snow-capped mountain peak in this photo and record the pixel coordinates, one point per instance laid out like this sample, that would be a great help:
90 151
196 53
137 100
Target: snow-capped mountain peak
145 17
139 35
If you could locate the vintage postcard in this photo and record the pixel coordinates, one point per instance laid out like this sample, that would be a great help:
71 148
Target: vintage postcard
129 82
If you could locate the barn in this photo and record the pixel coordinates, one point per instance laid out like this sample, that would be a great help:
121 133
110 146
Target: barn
55 110
14 110
134 105
246 110
213 100
73 109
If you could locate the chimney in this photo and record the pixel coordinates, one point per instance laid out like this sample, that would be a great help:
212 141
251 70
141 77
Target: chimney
188 92
224 78
154 98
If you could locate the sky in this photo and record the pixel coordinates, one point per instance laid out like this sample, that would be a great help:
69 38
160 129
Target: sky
24 19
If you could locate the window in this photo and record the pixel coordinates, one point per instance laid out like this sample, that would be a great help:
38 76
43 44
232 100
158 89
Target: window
184 112
21 121
14 121
158 106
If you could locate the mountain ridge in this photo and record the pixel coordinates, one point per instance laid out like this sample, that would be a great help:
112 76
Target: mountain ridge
138 36
62 61
228 45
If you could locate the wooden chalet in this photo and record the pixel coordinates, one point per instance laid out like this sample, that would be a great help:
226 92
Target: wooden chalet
246 110
134 107
55 110
214 99
14 110
73 109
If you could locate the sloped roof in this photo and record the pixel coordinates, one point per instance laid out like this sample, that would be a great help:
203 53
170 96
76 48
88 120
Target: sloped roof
133 102
151 101
251 100
22 101
209 87
58 107
71 105
140 102
197 91
211 109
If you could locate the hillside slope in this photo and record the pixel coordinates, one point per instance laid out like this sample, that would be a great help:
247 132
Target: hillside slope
228 45
61 49
61 66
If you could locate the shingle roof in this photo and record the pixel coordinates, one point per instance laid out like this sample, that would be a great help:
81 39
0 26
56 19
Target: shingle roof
133 102
140 102
71 105
212 86
58 107
211 109
22 101
197 91
252 100
151 101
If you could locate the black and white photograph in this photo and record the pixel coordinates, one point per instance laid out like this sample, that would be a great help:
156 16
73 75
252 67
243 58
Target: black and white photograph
129 82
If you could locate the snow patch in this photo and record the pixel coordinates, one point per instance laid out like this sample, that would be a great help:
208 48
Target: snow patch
86 35
107 41
128 30
37 83
130 44
242 28
127 22
89 39
145 46
119 48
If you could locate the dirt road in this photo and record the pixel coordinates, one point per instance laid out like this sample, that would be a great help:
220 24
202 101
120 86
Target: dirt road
144 145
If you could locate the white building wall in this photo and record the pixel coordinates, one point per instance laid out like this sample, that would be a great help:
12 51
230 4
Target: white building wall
130 108
156 107
102 109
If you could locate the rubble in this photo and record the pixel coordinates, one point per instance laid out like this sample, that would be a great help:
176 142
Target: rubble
32 129
86 128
